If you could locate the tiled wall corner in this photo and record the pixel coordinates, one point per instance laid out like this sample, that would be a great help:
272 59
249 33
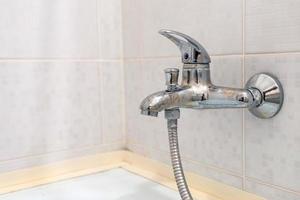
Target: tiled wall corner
112 106
111 71
52 111
61 63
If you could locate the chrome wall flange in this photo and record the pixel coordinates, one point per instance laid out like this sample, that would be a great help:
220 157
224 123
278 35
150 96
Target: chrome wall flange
271 95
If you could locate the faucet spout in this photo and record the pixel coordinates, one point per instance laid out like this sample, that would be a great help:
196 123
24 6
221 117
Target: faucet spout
159 101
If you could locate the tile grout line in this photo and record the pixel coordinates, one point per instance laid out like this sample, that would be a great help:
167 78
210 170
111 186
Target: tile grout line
57 60
243 111
100 82
124 110
273 53
216 55
21 59
98 28
273 186
100 106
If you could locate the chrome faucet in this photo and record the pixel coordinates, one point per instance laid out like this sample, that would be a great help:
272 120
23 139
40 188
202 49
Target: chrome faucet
262 95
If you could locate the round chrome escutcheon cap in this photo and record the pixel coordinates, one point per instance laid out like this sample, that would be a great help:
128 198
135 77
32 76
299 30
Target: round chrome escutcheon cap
272 95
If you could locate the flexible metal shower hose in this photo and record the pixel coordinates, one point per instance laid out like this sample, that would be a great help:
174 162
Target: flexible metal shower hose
176 161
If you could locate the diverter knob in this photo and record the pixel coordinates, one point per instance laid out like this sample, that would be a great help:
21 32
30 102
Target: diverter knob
171 75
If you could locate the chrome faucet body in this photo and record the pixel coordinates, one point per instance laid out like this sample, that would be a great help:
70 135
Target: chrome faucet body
196 91
263 94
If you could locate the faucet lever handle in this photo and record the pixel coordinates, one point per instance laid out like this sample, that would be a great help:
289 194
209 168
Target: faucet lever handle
192 52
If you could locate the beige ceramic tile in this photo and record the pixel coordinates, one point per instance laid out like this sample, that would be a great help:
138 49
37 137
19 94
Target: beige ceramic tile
131 23
213 173
111 78
47 107
58 28
272 26
110 28
272 145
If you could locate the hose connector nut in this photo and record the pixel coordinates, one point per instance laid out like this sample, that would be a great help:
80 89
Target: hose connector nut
173 113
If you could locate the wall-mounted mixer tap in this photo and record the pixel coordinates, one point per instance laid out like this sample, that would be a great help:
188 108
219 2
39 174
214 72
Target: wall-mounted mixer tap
262 95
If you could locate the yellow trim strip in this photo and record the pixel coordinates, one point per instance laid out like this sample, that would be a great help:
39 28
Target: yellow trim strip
201 187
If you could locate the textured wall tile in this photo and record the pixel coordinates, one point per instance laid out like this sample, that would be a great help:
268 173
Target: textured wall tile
131 23
58 28
213 173
47 107
215 24
270 193
111 78
272 146
110 28
272 26
210 136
